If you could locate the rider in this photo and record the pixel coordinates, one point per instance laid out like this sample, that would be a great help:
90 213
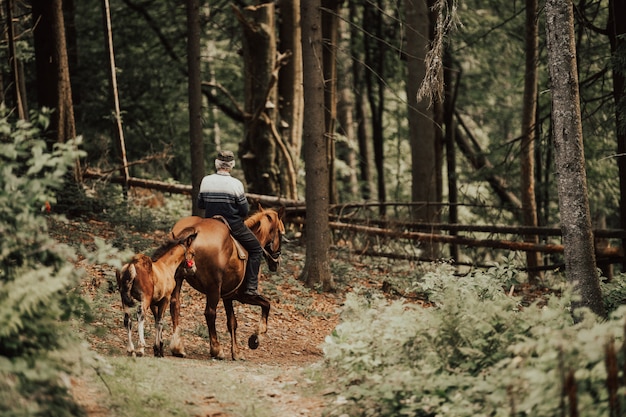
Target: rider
221 194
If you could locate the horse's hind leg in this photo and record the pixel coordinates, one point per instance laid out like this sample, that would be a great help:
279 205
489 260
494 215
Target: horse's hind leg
231 322
157 312
210 313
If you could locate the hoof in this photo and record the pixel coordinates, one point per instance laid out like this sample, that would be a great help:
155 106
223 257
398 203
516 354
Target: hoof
179 354
219 356
253 341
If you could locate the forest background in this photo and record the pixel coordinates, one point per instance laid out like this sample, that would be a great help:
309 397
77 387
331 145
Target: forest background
190 79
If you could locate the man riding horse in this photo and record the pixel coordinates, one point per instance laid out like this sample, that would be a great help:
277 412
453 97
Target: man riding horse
223 195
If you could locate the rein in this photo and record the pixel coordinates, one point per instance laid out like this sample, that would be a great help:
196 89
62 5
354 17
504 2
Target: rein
273 256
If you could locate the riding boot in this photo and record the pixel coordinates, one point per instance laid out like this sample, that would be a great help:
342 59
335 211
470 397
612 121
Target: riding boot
255 255
252 285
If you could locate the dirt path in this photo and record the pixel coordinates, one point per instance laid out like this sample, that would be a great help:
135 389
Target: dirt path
272 377
270 381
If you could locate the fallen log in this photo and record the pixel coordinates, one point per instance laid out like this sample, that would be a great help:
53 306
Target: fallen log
170 187
453 239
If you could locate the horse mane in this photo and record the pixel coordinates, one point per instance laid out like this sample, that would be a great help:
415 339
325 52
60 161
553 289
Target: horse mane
258 226
170 243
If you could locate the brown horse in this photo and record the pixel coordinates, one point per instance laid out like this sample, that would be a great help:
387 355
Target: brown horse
151 282
220 272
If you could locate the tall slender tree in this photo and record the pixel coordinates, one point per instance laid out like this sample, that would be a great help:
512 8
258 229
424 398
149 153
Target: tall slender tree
531 75
290 79
616 28
53 76
196 145
421 120
317 265
580 262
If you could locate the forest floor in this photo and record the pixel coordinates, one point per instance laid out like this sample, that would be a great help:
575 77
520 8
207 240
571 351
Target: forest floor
273 380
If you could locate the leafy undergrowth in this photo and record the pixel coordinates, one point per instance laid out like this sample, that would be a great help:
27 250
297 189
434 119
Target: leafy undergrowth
271 381
479 350
395 338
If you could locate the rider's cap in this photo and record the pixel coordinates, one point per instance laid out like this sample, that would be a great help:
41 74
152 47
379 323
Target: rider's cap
225 156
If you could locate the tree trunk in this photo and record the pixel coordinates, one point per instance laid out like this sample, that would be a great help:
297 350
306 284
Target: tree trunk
451 87
580 263
53 75
374 80
317 265
529 205
196 144
358 86
119 131
17 93
616 28
330 27
290 80
346 148
259 149
420 114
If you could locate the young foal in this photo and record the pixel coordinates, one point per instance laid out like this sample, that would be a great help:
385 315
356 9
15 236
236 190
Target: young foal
151 282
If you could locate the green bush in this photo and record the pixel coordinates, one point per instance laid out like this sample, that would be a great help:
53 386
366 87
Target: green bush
37 346
477 352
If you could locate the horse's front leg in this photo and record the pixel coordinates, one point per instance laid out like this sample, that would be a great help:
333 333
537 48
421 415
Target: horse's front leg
141 318
264 303
265 313
231 322
176 342
210 314
128 324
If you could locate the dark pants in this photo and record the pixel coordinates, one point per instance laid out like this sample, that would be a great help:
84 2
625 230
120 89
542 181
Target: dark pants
248 240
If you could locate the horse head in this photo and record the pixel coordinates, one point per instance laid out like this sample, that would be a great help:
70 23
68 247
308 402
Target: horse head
271 239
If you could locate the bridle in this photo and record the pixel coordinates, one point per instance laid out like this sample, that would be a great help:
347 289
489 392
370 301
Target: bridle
272 255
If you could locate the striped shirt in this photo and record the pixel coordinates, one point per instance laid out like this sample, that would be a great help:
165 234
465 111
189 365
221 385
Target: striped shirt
221 194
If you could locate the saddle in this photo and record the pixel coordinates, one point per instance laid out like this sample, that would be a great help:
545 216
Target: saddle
242 253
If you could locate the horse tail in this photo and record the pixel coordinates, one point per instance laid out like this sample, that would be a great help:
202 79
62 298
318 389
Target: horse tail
125 281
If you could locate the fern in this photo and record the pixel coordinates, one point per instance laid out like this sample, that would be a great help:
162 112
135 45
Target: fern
477 352
35 274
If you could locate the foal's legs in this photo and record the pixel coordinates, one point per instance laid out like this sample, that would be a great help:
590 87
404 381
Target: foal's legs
231 322
141 319
157 312
176 342
210 313
128 323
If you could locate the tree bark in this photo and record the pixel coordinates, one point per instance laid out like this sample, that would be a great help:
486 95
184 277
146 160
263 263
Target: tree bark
317 265
374 81
421 119
119 130
196 144
531 75
580 263
290 79
17 94
259 149
616 28
358 86
330 27
53 75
